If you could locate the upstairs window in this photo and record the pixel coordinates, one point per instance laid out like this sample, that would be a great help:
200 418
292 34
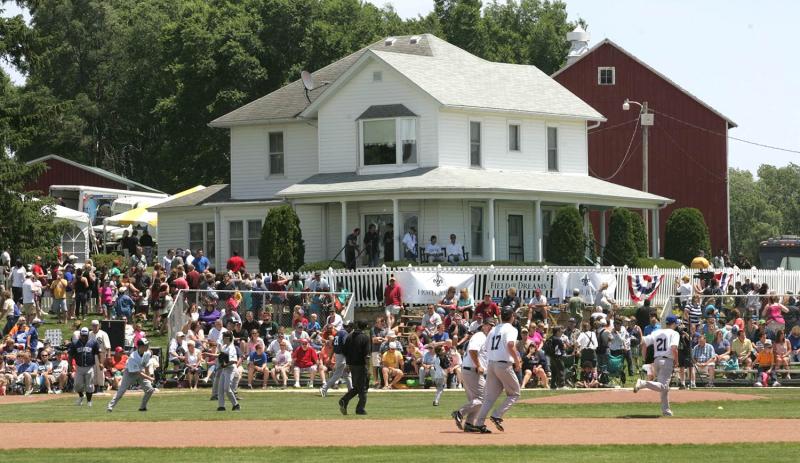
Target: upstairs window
513 137
389 141
606 76
275 153
475 143
552 149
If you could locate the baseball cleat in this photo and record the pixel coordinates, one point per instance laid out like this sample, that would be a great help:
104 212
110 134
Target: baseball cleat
89 403
498 423
79 402
220 409
342 407
143 409
361 412
323 392
236 408
108 410
435 403
470 428
482 430
637 385
667 413
459 419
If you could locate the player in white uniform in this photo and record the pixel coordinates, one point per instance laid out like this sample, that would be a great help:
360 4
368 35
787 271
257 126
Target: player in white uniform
503 361
665 350
473 367
227 362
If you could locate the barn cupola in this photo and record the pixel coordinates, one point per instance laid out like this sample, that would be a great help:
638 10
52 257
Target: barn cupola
579 44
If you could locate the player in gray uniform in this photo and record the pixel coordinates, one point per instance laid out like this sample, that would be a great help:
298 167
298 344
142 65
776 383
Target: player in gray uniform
503 362
665 353
341 360
86 354
473 367
226 363
136 373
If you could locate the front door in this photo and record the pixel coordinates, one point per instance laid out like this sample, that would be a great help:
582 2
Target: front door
380 221
516 247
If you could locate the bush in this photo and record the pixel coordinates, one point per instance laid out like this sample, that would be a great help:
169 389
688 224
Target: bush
646 262
566 243
321 265
621 248
639 234
281 246
686 234
101 260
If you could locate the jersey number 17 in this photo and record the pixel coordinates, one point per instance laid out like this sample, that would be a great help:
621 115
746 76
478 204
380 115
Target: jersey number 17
496 342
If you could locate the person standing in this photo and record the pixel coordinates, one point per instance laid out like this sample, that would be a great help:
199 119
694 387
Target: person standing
226 364
147 243
392 301
136 373
388 243
351 249
356 351
473 366
665 352
503 362
86 354
104 344
340 359
18 274
372 245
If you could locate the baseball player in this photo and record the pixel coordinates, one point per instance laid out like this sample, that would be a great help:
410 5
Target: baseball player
135 372
341 361
86 354
104 344
503 362
665 353
227 362
473 366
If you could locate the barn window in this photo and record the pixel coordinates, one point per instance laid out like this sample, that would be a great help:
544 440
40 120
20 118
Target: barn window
606 76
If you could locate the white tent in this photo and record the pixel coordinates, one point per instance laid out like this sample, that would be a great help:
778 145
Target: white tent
76 240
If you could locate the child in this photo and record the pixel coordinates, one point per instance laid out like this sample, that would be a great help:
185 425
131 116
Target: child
765 361
588 378
106 298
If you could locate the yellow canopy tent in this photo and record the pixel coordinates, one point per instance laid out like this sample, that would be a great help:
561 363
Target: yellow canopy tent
142 216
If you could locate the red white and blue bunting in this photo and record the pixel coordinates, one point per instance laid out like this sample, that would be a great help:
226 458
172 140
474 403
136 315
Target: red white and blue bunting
724 278
644 287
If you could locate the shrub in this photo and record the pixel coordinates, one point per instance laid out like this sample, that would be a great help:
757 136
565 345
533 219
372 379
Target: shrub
621 247
281 246
686 234
566 243
639 234
100 260
321 265
646 262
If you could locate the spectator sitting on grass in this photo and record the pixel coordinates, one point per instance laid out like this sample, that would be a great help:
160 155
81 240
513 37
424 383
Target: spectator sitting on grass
306 360
392 366
588 377
534 364
115 365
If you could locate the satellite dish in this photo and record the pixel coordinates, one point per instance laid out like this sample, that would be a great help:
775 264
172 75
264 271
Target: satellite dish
308 81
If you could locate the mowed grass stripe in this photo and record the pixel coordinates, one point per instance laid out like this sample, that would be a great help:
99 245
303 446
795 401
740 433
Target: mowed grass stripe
783 403
775 453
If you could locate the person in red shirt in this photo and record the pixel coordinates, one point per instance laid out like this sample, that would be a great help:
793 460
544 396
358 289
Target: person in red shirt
486 308
235 263
306 360
193 277
392 300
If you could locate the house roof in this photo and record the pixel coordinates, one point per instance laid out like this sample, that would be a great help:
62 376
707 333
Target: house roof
633 57
449 74
213 193
440 180
96 171
386 110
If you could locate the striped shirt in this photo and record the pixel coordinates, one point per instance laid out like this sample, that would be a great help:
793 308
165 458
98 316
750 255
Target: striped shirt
702 353
695 313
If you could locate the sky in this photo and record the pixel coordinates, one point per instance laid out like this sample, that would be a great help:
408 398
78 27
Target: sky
732 54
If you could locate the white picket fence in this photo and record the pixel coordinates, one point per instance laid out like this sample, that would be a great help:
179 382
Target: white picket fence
367 284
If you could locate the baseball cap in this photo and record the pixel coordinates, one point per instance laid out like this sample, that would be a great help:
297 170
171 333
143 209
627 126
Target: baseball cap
571 320
28 274
602 322
95 322
735 329
118 349
303 340
84 331
36 321
392 345
762 322
671 319
179 334
489 321
317 273
767 343
142 342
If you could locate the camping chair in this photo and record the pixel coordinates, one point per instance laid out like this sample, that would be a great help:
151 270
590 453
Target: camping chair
615 368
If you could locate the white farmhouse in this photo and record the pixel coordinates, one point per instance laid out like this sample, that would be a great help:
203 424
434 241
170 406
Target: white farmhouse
411 131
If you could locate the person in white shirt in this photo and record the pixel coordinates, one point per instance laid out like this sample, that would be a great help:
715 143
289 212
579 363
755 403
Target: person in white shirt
604 299
410 244
275 345
454 250
28 300
684 290
336 320
665 354
104 344
434 250
176 352
503 363
17 279
473 366
188 258
166 261
216 332
431 320
226 364
136 373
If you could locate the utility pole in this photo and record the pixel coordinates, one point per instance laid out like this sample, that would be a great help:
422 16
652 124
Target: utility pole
645 183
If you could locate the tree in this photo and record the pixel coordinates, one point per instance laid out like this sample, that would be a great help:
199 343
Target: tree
461 24
566 243
281 245
753 218
621 247
28 226
686 234
639 234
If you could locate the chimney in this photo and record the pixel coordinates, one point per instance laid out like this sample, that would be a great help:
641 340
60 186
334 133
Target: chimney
579 44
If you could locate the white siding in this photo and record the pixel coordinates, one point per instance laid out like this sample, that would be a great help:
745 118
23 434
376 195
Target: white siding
232 213
311 225
572 150
249 159
338 137
173 227
334 224
453 139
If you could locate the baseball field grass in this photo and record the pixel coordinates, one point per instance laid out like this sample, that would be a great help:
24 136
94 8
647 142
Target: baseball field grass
750 452
290 405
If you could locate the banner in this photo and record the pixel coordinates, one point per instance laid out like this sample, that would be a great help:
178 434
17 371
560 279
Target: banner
724 278
644 287
430 287
588 283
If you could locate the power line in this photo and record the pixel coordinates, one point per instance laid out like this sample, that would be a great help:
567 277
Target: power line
614 126
689 155
762 145
624 158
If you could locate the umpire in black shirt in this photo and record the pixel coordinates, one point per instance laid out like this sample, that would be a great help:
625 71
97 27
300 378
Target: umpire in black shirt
356 350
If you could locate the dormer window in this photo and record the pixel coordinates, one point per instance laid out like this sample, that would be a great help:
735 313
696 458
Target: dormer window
388 136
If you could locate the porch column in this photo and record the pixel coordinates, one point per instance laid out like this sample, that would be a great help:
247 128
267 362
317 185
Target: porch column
538 247
602 232
656 238
397 228
492 251
344 222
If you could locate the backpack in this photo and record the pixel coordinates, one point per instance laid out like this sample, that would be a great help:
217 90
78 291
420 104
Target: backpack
549 347
444 361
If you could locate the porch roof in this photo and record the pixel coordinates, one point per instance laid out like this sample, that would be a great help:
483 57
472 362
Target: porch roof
440 182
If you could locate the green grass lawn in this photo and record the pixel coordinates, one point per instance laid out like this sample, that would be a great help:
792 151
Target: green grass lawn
172 406
774 453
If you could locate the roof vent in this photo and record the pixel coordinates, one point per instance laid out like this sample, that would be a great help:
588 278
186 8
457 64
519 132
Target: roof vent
414 39
389 41
579 44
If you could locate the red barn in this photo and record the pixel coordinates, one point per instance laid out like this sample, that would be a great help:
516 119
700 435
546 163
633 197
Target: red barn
688 149
62 171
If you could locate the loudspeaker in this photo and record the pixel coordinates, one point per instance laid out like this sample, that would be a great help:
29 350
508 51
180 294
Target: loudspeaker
116 332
